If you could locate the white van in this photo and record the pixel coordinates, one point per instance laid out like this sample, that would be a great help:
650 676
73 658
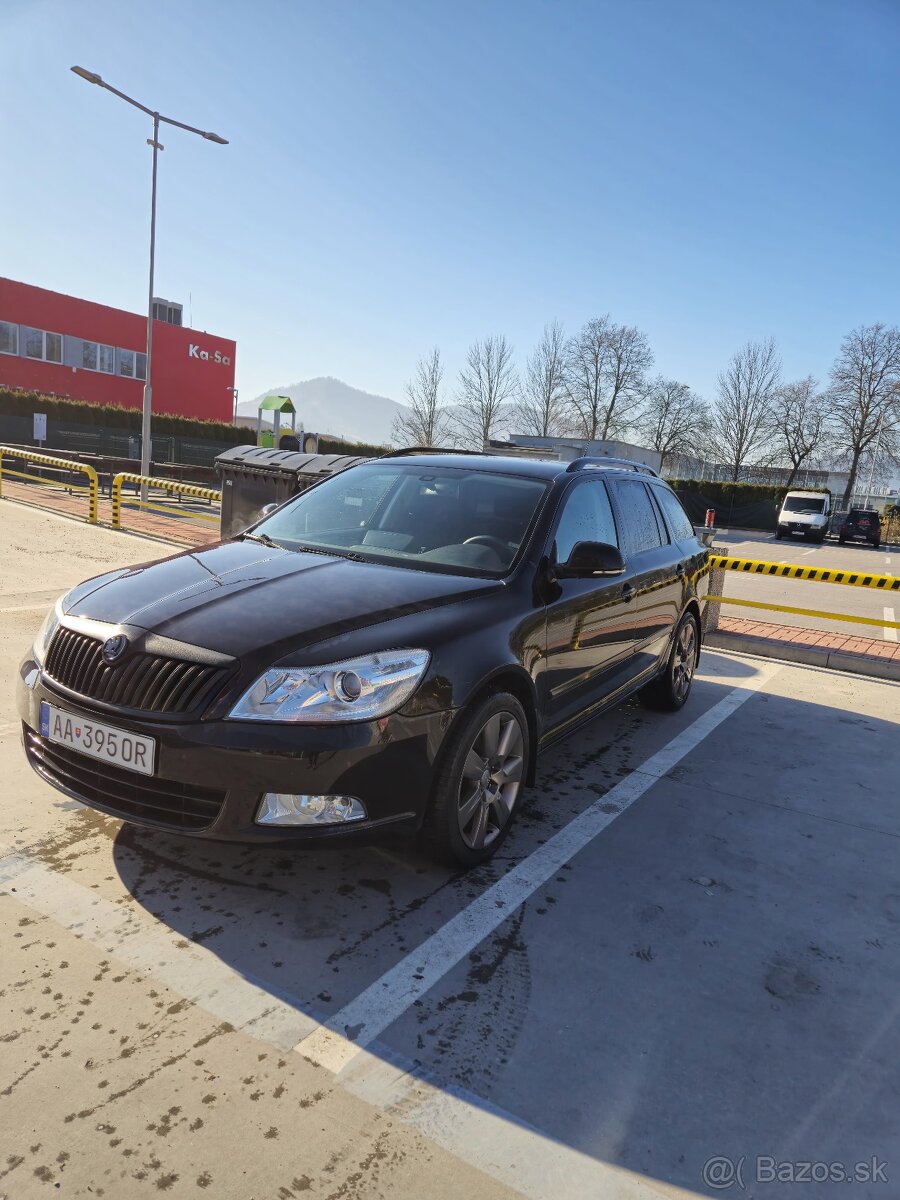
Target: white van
806 513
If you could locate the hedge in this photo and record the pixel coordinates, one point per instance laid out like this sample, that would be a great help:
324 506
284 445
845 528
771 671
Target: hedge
743 505
16 402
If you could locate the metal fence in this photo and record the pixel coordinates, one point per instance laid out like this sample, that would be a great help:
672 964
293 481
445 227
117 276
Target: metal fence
111 442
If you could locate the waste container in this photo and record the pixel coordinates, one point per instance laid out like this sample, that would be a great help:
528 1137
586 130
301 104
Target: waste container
254 476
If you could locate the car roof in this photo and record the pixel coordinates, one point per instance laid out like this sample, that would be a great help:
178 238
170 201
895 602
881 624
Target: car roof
505 464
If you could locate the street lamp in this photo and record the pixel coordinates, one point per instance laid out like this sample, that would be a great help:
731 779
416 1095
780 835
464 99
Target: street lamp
93 77
234 396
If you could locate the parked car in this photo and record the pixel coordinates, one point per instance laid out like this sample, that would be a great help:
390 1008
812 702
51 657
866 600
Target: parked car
804 512
861 524
388 650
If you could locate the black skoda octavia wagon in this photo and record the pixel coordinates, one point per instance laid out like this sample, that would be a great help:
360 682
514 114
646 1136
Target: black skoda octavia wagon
389 650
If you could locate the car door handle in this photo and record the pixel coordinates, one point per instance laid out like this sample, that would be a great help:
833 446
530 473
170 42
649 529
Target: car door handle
627 592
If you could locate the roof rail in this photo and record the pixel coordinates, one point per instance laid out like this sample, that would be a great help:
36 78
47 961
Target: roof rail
408 450
598 462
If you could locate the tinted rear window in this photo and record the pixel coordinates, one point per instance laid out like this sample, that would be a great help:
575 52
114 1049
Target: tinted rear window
677 517
640 526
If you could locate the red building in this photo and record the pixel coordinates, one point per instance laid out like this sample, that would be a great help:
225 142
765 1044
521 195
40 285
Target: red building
86 351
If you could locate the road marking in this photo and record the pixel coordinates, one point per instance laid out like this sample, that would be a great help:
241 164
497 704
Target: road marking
377 1008
498 1143
28 608
890 635
133 936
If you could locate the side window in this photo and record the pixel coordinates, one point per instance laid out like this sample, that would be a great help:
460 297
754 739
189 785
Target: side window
640 526
677 517
586 517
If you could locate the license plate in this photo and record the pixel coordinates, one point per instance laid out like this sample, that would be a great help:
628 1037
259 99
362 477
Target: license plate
132 751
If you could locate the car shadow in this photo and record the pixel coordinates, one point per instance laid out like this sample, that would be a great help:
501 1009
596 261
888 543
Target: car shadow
697 982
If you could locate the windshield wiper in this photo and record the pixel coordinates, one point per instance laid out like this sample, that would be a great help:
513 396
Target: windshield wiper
331 553
262 538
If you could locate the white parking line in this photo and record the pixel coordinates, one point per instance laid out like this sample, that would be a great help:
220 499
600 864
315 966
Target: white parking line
387 999
890 635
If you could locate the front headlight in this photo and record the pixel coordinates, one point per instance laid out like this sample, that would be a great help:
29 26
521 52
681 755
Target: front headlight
359 689
47 630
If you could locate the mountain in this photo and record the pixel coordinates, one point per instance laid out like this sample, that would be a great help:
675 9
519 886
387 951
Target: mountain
329 406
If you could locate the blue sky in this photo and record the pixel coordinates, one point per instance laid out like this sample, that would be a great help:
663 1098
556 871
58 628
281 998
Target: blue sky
404 173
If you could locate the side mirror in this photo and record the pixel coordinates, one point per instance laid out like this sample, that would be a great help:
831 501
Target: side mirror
590 559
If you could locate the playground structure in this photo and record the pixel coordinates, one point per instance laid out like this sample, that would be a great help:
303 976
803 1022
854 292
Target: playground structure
273 438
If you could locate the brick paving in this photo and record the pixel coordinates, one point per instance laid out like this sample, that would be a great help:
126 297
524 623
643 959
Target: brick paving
184 528
820 638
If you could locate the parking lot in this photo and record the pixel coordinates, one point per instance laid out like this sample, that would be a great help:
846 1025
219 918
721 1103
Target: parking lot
798 593
688 950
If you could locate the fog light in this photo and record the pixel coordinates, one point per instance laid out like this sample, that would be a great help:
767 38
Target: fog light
279 808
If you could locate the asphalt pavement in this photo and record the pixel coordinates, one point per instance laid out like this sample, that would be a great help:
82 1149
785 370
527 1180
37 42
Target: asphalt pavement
685 963
798 593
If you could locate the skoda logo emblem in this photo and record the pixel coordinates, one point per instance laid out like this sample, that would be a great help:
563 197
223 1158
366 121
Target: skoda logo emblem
114 648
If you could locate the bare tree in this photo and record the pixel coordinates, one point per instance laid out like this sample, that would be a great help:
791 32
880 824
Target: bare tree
864 399
487 385
742 419
541 407
798 415
608 364
426 422
673 420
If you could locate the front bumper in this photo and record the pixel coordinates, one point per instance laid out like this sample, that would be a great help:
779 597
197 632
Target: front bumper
210 775
801 527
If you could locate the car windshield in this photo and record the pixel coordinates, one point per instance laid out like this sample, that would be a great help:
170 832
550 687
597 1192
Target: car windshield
438 518
805 504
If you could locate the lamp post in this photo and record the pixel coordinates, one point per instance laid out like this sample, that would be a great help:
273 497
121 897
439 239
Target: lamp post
93 77
234 396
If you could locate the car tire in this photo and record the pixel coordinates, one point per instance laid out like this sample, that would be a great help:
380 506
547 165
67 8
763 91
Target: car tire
841 539
778 534
670 690
479 782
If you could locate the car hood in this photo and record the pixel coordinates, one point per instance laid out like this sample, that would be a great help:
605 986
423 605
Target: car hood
238 598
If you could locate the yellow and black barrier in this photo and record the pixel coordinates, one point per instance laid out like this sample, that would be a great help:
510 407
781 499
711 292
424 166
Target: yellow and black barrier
804 612
60 464
169 485
749 566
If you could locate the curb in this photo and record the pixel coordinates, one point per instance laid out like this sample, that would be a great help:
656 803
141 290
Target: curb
811 656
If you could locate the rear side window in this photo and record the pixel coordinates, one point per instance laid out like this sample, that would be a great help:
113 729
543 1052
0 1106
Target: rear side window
675 514
640 526
586 517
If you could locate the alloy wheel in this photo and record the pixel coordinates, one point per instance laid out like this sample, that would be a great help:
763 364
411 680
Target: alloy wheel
491 779
685 660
